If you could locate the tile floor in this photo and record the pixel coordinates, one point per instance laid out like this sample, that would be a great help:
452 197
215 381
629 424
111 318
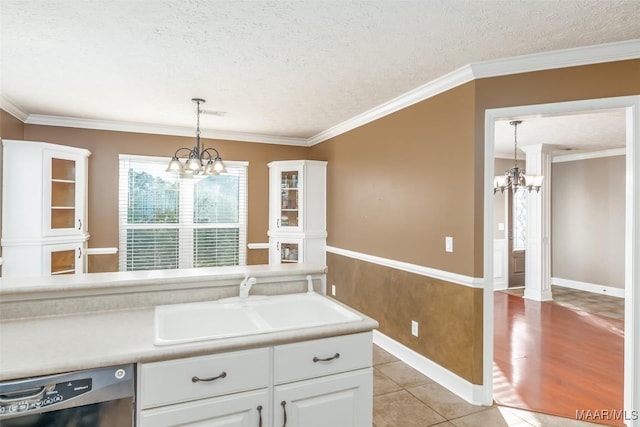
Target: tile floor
603 305
403 397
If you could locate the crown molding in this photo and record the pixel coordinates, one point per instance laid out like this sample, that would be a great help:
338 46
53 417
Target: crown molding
563 58
618 51
12 108
441 84
121 126
589 155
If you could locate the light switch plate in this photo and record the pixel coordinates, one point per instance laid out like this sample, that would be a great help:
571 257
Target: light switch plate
448 244
414 328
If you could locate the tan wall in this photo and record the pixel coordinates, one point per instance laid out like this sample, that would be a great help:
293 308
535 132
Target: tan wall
103 178
587 217
398 185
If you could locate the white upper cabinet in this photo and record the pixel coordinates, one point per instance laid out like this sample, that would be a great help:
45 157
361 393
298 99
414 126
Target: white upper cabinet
44 207
297 211
297 197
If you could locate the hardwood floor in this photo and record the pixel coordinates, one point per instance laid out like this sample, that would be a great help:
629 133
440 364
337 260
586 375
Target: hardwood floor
554 360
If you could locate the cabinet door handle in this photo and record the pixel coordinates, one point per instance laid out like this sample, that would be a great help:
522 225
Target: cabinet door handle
196 379
259 408
278 246
284 410
317 359
79 224
79 253
278 223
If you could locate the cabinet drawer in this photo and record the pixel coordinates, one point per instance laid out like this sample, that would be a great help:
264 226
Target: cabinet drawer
175 381
311 359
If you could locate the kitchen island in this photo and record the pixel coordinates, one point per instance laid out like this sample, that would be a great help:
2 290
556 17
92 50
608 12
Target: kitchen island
52 325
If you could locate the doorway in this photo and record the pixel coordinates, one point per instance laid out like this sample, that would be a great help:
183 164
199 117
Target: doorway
632 238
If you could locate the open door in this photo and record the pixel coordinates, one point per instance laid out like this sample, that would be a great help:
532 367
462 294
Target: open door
517 209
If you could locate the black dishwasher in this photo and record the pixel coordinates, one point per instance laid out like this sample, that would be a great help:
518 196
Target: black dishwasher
102 397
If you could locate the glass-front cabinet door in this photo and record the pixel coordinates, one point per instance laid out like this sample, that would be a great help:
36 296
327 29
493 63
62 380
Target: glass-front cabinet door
63 259
64 202
285 251
289 217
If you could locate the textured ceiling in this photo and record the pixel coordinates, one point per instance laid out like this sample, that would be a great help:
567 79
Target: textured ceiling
281 68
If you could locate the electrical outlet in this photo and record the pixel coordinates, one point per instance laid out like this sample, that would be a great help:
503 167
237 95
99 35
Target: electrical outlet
333 289
414 328
448 244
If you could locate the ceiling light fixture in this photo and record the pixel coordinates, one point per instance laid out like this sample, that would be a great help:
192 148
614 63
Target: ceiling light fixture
515 177
198 162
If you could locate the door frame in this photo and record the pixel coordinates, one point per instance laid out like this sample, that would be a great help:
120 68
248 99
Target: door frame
631 104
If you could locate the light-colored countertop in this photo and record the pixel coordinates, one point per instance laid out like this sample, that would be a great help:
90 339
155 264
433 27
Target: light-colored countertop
62 343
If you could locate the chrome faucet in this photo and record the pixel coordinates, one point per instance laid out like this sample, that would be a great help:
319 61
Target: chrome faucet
245 286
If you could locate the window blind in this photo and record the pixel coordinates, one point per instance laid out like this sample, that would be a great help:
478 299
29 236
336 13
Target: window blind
168 221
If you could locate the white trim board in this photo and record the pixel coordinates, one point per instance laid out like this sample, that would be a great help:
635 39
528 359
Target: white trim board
588 287
609 52
446 276
452 382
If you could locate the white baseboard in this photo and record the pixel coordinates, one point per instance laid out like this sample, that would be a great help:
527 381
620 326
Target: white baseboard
588 287
472 393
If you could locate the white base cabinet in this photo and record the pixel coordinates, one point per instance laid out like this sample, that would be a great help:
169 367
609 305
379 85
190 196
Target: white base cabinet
236 410
323 382
341 400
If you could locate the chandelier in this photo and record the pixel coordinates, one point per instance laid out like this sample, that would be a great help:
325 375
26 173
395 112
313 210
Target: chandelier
515 177
197 161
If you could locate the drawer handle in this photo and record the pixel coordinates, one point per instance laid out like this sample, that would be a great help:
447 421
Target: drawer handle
284 410
259 408
335 356
195 379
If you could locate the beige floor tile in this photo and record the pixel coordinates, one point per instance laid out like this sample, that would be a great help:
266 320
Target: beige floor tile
380 356
492 417
401 409
443 401
383 384
403 375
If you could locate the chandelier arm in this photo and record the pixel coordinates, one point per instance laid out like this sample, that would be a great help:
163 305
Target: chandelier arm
206 150
175 155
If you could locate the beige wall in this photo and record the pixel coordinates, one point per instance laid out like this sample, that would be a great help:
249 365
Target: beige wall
499 210
103 178
588 214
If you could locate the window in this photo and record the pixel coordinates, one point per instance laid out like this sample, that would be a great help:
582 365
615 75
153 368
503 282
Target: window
168 222
519 219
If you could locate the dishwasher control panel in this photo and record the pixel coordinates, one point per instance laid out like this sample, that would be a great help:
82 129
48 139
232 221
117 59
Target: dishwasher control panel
60 395
42 397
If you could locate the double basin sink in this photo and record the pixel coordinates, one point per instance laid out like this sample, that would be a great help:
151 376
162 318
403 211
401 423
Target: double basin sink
234 317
